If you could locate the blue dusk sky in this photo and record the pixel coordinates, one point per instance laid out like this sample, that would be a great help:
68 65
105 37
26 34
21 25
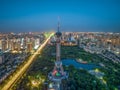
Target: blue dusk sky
75 15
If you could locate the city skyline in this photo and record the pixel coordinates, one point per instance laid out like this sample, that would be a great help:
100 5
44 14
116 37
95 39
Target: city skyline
77 15
34 61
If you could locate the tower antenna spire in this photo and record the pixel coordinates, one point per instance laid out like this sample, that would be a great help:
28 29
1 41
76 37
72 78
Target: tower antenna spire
58 23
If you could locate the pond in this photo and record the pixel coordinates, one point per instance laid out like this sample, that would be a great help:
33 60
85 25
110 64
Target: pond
79 65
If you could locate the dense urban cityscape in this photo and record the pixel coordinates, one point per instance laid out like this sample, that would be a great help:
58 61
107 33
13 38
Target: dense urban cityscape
94 54
59 44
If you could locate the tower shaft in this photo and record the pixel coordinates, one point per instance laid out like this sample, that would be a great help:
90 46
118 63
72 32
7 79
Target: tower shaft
58 49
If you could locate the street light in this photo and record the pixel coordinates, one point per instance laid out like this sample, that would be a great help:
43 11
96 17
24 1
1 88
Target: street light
35 83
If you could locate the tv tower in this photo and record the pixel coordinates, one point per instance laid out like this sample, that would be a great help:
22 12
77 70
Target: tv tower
58 73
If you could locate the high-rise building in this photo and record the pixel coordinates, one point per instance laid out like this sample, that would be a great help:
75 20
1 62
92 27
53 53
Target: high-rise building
4 45
1 57
29 47
18 45
12 45
36 43
0 44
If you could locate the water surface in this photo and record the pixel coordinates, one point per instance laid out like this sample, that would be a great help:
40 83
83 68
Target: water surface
76 64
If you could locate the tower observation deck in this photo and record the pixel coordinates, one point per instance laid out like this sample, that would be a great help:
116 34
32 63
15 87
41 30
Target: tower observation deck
58 73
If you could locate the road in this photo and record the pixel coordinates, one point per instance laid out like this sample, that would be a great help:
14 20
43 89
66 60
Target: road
19 73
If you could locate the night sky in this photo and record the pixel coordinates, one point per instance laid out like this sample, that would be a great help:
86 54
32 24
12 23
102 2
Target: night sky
75 15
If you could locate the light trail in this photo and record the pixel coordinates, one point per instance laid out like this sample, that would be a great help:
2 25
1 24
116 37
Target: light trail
19 73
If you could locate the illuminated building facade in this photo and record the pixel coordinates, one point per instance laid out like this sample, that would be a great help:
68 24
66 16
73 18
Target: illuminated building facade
1 57
4 45
29 47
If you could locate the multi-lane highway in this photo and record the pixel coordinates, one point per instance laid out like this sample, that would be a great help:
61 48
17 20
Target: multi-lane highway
19 73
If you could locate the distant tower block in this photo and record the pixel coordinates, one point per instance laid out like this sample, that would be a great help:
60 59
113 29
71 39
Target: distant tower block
1 57
58 72
4 45
29 47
